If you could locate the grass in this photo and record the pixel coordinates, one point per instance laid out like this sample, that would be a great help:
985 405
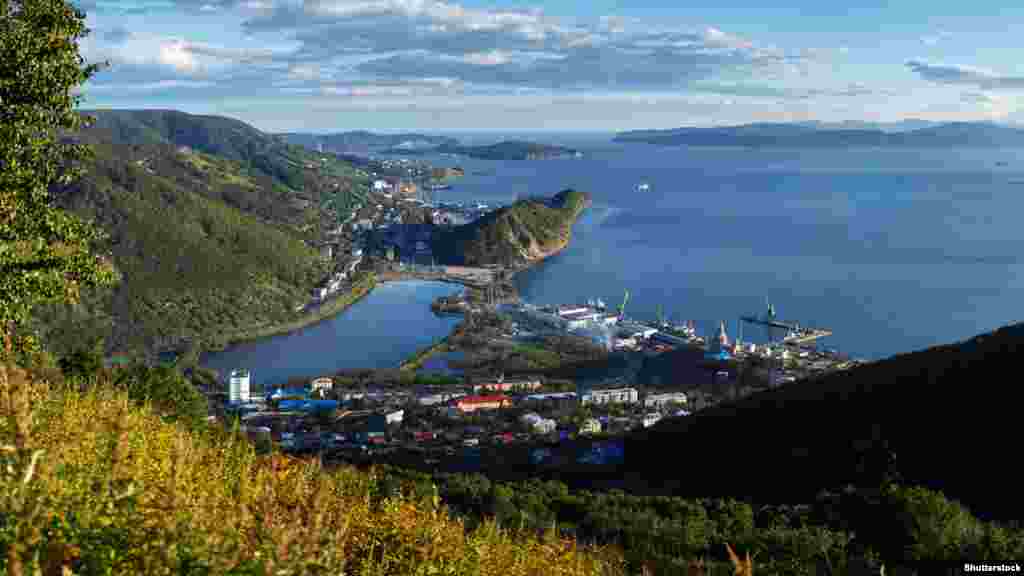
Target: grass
97 485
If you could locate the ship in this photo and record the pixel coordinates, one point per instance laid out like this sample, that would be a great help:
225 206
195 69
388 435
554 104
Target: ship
439 187
643 187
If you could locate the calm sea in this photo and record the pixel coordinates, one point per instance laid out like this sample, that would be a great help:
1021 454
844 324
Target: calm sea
893 250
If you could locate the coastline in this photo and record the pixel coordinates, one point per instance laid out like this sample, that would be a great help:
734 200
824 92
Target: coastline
331 308
417 360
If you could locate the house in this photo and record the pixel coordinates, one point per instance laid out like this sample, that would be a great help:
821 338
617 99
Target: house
380 185
394 417
659 400
611 395
325 384
474 403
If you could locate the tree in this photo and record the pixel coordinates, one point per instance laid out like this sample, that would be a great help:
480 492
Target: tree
46 254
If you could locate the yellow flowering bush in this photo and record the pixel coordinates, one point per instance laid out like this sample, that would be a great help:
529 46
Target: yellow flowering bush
95 484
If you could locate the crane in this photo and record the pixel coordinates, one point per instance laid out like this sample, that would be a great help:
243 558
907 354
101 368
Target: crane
622 307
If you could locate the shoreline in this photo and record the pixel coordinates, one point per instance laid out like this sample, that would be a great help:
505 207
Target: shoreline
343 302
416 361
330 309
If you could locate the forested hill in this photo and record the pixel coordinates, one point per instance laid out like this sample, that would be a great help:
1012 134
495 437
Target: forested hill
526 231
948 135
209 222
946 417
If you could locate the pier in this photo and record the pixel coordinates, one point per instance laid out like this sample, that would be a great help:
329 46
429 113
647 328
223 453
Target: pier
795 334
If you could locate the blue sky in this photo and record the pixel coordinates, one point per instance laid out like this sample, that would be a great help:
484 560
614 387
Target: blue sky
386 65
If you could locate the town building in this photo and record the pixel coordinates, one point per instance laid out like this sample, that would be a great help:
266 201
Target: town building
503 385
473 403
659 400
325 384
238 386
651 418
441 398
610 395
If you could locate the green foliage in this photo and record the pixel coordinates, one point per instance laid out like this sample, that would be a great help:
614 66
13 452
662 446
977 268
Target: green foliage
513 234
166 390
46 255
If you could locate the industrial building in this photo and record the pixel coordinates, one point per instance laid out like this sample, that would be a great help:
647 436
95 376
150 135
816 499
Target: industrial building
610 395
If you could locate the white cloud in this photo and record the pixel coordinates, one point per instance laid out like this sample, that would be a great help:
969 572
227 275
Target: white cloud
177 55
934 39
965 75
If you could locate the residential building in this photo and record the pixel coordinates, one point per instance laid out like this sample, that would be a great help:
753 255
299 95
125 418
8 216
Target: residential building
651 418
611 395
659 400
474 403
325 384
238 386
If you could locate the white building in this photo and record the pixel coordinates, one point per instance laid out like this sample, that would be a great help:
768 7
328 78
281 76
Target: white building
434 399
394 417
590 426
238 386
380 185
659 400
611 395
650 419
324 384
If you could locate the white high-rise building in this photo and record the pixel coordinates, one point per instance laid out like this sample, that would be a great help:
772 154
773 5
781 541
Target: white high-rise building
238 386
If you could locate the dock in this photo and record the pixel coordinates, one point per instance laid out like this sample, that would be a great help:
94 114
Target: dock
796 333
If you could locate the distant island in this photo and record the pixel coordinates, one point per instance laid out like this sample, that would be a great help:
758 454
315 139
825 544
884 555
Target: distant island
806 135
528 231
505 150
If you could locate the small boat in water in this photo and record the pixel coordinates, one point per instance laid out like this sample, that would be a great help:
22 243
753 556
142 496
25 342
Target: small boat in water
643 187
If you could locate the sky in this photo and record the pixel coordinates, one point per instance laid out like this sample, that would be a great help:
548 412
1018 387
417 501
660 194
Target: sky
601 65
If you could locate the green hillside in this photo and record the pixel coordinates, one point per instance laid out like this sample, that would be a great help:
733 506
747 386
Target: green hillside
945 418
206 243
525 231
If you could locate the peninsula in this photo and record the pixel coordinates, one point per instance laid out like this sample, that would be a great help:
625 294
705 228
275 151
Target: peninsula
525 232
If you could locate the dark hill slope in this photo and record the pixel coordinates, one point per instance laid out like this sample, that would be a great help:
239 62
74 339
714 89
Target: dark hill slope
526 231
950 415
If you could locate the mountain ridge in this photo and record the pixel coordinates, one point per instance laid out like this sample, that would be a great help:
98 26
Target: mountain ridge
963 134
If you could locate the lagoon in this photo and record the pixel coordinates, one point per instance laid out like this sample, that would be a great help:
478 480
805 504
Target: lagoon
379 331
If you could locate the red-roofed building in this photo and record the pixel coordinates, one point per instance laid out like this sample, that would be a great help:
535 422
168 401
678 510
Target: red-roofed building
474 403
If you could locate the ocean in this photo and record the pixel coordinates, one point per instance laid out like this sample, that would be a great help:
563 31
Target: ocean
892 250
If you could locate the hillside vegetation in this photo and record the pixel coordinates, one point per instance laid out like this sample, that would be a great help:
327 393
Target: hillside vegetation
207 244
100 485
526 231
939 418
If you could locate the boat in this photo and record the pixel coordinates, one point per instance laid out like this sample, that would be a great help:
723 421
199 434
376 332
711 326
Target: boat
643 187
